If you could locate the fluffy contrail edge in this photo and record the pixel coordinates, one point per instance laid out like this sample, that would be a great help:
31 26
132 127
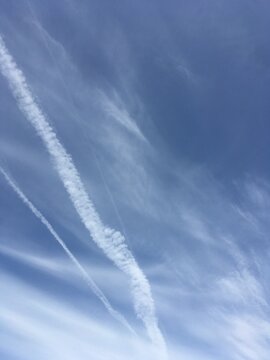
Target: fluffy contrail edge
109 240
90 282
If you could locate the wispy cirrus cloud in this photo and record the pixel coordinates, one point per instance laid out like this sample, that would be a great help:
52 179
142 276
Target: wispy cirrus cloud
57 329
116 110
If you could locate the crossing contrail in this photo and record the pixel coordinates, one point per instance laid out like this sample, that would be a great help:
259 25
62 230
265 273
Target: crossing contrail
109 240
90 282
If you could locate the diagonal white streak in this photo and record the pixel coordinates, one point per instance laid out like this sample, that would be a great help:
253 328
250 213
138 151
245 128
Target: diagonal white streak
109 240
90 282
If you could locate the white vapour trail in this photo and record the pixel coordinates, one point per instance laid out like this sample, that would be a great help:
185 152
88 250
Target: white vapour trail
90 282
110 241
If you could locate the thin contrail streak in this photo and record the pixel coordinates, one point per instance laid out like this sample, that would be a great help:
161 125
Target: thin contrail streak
90 282
44 35
109 240
111 197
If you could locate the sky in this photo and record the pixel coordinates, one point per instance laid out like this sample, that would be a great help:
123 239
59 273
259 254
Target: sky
135 180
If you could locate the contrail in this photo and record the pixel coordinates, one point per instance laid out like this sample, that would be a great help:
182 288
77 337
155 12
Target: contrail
90 282
109 240
44 36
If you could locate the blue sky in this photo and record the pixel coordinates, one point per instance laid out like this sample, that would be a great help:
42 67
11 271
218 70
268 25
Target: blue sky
149 119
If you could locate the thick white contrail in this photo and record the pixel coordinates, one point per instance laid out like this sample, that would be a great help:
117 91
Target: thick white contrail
110 241
90 282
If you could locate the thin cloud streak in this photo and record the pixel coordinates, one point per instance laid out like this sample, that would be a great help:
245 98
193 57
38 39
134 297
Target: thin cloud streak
110 241
116 110
90 282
